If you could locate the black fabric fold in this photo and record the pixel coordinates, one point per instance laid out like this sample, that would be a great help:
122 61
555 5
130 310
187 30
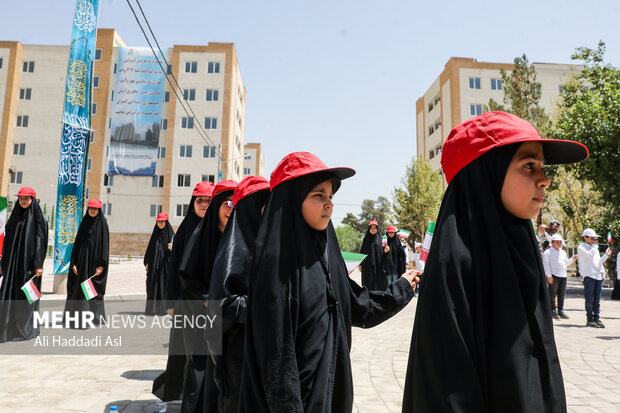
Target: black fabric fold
24 249
156 258
483 337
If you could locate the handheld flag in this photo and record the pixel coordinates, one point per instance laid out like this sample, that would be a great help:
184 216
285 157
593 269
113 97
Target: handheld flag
402 233
31 291
352 260
609 237
3 210
88 289
428 238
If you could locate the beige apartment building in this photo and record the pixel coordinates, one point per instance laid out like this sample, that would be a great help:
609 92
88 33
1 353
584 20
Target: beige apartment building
463 89
253 161
32 86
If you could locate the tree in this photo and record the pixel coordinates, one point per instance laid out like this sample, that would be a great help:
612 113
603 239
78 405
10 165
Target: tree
589 112
379 210
349 239
419 198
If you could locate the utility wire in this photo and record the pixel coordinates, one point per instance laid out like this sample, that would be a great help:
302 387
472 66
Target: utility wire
183 102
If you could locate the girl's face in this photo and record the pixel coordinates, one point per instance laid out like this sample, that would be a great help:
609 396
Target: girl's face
93 211
201 203
524 186
161 224
391 234
24 201
317 208
373 229
224 213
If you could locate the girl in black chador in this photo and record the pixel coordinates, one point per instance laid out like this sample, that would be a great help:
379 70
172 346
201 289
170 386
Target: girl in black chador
302 303
394 260
230 282
89 257
483 335
373 273
23 253
156 264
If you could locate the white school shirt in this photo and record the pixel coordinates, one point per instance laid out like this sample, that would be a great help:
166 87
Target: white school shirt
555 262
590 261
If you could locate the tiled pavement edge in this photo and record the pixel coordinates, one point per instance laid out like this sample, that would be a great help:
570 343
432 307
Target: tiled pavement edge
590 364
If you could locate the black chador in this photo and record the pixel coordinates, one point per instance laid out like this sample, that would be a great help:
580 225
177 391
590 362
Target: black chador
394 261
24 249
168 386
90 251
483 335
199 389
156 261
373 272
230 282
302 305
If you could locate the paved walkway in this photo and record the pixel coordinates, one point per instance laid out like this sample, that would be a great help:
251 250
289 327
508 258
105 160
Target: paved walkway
590 363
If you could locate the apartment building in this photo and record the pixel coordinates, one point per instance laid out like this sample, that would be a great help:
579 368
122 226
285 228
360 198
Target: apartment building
32 86
464 88
253 161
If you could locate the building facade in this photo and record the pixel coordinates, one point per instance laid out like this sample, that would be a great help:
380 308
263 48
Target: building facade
253 161
464 88
32 86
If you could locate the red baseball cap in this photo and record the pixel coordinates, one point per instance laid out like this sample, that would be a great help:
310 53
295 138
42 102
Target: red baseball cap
391 228
94 203
204 188
249 185
373 223
222 186
162 216
298 164
478 135
26 191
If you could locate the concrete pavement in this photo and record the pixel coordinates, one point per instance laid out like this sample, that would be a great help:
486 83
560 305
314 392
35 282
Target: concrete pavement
590 363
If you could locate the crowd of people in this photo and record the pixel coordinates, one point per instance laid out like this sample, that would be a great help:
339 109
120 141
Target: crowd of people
266 253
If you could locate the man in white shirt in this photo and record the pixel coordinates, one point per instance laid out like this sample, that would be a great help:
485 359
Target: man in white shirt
555 262
590 265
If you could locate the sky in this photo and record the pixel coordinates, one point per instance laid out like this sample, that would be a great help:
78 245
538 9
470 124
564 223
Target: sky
340 78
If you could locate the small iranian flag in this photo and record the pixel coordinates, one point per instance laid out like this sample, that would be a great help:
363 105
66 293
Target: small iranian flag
402 233
609 237
428 238
88 289
2 221
31 291
352 260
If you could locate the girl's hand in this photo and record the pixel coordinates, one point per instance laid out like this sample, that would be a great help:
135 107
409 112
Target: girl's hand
550 280
98 270
386 249
75 270
411 276
38 272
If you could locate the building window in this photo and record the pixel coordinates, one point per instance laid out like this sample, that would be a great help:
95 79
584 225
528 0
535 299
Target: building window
208 151
187 122
89 164
112 96
94 108
208 178
24 94
87 193
107 209
115 68
181 210
16 178
108 180
109 123
164 124
169 70
161 152
98 54
247 171
191 67
210 123
475 109
155 209
247 156
189 94
213 67
0 63
212 95
22 121
431 154
185 151
166 96
107 150
157 181
496 84
28 67
95 81
184 180
19 149
431 130
474 83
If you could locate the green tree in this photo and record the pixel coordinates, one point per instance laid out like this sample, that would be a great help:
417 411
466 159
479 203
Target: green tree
379 210
419 198
589 112
349 239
